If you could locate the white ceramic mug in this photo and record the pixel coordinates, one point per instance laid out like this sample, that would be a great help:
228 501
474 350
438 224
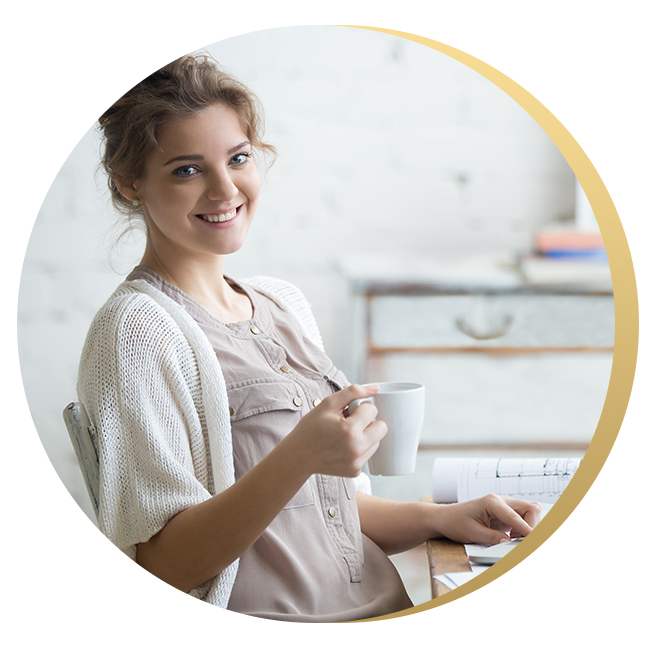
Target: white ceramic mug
401 407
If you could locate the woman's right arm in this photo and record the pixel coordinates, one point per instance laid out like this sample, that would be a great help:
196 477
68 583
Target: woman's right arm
201 541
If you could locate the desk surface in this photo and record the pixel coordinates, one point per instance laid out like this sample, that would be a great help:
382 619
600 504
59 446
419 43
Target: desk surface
445 556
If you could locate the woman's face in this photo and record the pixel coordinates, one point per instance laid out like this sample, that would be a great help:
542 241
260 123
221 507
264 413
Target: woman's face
201 188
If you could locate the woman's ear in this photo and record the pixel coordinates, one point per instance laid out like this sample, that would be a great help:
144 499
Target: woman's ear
127 189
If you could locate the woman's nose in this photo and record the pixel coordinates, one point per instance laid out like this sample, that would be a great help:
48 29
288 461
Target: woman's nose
221 187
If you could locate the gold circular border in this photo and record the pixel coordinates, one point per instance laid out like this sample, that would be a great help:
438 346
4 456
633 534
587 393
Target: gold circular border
626 310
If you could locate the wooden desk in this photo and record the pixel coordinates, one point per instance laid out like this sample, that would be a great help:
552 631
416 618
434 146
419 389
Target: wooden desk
445 556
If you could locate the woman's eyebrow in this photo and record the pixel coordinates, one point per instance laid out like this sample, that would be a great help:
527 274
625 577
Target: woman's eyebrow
239 146
188 157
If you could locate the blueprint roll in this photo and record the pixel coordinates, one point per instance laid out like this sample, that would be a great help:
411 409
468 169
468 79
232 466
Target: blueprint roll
445 479
530 479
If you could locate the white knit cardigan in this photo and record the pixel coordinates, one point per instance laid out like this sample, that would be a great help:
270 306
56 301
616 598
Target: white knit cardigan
154 390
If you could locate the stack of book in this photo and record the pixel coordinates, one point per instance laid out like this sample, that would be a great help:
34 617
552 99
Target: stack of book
566 256
570 244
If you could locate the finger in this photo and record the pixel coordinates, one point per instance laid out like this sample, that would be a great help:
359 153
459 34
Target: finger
375 431
534 515
363 415
377 434
340 400
503 512
367 406
372 437
483 535
364 458
495 524
531 511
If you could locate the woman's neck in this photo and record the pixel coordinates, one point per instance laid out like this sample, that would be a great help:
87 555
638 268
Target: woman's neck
201 279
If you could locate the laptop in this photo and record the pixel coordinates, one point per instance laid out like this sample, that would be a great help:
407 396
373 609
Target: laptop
492 554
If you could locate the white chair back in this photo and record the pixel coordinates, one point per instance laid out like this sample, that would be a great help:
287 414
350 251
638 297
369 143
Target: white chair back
84 440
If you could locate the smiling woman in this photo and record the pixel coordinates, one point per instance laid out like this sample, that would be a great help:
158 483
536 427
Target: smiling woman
229 466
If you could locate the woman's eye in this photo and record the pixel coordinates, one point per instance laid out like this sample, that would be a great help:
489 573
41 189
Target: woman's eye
187 170
240 158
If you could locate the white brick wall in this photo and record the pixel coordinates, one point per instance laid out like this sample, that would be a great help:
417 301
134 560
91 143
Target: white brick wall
385 146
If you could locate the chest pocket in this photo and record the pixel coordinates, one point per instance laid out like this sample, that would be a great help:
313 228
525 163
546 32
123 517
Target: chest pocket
262 413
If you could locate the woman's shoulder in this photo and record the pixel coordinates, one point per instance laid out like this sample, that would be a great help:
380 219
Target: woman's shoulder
275 287
135 341
128 304
132 316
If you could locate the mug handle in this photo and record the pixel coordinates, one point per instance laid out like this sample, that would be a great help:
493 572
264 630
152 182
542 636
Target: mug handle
355 402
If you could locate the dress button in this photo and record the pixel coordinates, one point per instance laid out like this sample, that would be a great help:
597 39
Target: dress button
297 401
255 330
284 369
316 402
332 512
232 410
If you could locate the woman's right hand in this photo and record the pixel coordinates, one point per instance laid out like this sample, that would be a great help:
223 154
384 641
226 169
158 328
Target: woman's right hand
334 443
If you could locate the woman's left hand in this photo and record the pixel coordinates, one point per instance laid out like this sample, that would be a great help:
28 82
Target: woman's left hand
489 520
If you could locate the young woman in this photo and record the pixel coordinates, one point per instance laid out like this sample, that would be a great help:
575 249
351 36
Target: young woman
228 465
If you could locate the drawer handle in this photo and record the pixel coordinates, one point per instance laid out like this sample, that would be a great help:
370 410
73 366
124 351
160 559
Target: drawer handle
500 331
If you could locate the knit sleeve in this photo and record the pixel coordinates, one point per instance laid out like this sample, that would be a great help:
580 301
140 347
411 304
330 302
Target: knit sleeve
135 382
362 484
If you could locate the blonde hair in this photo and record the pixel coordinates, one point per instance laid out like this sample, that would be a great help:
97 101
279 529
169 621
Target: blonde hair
131 126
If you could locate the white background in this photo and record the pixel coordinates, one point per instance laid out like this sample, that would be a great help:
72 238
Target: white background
63 64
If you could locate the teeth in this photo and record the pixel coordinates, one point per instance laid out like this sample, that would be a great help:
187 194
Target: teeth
214 218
